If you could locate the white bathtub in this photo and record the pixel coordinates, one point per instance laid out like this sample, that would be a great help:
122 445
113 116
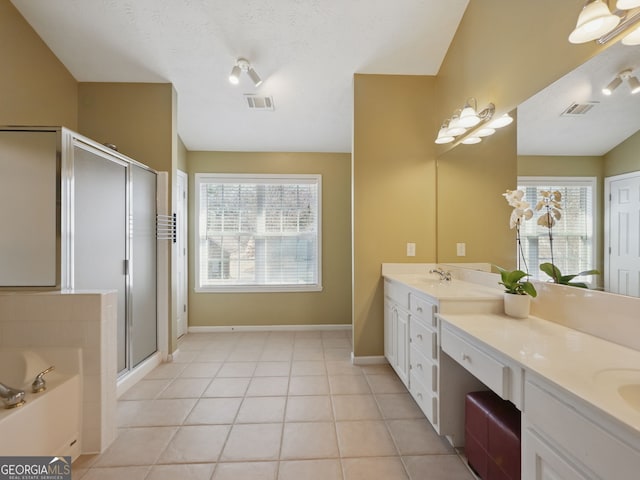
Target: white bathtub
49 423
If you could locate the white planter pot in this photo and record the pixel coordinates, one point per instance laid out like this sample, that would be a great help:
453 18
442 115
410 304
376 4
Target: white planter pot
517 306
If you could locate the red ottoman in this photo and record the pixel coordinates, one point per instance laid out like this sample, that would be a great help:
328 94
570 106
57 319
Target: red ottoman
492 436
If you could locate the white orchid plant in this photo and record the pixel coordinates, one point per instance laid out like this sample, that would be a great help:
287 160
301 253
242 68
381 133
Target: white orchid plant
521 212
549 205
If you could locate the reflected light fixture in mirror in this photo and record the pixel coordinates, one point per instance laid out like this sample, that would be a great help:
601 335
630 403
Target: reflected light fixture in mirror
597 22
625 75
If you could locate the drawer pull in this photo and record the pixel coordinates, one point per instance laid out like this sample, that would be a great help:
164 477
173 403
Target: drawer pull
419 395
466 358
419 365
419 309
419 336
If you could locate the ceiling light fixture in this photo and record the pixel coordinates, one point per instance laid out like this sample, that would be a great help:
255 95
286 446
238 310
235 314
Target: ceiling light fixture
597 22
469 126
243 65
623 76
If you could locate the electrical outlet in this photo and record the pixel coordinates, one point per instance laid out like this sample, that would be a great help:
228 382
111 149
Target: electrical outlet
411 249
461 249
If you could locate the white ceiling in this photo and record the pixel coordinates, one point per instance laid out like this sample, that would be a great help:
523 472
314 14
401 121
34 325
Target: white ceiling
543 131
306 51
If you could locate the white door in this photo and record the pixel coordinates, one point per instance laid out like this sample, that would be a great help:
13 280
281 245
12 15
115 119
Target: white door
622 236
181 249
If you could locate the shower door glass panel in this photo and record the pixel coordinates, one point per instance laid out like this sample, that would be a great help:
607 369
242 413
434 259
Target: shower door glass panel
143 265
99 240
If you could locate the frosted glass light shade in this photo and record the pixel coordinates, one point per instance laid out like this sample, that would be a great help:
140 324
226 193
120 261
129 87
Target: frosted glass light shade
443 136
469 117
471 140
632 38
627 4
594 20
501 121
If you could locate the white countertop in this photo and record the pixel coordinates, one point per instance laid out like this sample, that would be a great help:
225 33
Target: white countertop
586 366
440 290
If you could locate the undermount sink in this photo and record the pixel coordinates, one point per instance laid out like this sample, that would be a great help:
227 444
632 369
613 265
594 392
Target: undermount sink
626 381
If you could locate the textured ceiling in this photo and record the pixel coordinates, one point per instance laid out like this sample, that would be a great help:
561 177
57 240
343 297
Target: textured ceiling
612 119
306 51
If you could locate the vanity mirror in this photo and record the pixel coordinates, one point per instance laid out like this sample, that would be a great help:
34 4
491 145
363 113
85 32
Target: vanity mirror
569 130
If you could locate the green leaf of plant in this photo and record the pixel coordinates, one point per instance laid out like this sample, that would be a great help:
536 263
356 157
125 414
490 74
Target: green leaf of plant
529 289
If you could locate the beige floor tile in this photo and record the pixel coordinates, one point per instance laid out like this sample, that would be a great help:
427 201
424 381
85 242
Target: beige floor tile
253 442
343 354
315 408
85 461
338 342
356 407
308 353
310 470
386 384
212 411
246 471
417 437
166 370
272 369
381 369
236 369
214 355
152 413
437 467
308 334
398 405
117 473
227 387
201 370
136 446
196 444
146 389
277 354
343 367
309 385
185 388
268 386
348 385
200 471
385 468
308 343
281 337
262 410
245 354
185 356
308 367
309 440
78 473
364 439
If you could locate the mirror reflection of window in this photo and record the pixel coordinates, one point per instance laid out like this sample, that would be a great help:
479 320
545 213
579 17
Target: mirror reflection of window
573 235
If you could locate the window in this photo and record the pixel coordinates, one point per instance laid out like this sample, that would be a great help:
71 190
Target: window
573 236
258 232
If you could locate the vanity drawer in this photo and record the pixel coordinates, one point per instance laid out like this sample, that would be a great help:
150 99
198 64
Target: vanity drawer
423 338
397 292
423 309
427 401
424 369
493 373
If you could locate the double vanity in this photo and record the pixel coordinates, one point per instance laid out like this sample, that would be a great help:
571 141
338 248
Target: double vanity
579 394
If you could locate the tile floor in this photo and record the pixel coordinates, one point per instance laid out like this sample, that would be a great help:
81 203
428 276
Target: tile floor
271 406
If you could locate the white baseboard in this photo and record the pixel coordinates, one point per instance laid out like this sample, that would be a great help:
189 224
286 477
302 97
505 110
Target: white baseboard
371 360
267 328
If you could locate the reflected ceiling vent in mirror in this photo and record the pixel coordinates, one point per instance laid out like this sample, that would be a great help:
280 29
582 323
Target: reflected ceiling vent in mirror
259 102
577 109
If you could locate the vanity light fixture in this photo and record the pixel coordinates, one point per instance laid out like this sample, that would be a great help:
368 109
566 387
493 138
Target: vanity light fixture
597 22
243 65
469 126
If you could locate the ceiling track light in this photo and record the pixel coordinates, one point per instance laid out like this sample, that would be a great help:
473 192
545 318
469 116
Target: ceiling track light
469 126
623 76
597 22
243 65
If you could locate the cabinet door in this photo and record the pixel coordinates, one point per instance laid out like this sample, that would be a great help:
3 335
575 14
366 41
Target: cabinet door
541 462
389 332
402 345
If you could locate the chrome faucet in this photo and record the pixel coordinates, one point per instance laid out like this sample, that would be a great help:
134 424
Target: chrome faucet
444 275
39 384
12 397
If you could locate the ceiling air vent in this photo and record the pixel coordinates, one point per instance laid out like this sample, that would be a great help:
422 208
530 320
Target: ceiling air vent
258 102
578 109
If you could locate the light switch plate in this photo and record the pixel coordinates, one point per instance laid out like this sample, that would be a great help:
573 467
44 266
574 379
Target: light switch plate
461 249
411 249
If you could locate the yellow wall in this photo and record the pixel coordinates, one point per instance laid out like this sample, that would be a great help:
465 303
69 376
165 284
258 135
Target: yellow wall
394 181
36 88
330 306
625 158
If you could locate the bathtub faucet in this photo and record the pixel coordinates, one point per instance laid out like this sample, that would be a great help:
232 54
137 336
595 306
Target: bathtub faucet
12 397
39 384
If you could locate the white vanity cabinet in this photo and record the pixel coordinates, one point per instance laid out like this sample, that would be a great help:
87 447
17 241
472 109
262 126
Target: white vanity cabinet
566 438
396 328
